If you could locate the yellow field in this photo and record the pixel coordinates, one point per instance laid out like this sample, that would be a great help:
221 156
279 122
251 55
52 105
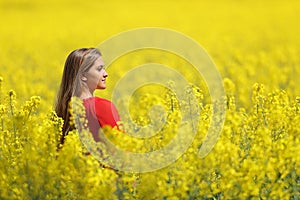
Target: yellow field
255 46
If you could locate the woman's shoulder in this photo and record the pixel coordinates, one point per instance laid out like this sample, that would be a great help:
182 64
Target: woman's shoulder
101 100
101 103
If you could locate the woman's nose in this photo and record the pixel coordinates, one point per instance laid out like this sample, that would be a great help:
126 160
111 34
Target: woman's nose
105 74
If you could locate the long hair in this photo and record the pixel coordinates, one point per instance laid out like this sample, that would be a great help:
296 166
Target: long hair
77 63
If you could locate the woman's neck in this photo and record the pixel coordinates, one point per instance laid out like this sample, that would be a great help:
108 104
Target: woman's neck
86 94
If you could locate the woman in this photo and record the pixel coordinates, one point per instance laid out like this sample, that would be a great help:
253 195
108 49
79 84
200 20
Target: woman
84 72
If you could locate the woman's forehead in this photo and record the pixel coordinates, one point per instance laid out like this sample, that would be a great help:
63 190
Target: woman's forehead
99 61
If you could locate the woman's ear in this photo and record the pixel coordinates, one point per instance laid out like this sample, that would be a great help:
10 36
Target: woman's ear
83 78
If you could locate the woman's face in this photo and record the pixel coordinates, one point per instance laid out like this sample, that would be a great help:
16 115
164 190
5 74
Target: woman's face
96 76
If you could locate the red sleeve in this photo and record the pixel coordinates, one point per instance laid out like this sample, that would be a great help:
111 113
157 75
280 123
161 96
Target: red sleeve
106 112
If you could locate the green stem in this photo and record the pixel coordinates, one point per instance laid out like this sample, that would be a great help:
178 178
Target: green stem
190 111
12 113
2 121
2 124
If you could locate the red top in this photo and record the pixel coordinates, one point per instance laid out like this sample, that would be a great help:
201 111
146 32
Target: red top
100 112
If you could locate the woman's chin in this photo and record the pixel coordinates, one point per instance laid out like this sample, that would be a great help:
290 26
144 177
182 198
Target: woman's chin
101 87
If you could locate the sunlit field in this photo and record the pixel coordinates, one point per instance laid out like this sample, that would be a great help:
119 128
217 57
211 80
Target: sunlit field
255 46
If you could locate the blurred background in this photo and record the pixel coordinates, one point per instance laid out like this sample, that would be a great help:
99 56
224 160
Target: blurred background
250 41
